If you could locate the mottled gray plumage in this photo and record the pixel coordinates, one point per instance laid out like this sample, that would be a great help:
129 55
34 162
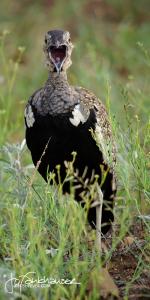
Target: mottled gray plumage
59 111
58 97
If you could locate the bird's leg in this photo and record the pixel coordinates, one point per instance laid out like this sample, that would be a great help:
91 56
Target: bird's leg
98 204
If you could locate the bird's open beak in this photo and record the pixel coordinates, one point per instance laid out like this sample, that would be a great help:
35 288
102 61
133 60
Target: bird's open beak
58 55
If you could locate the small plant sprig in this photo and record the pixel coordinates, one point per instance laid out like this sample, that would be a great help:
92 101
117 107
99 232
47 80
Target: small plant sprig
9 73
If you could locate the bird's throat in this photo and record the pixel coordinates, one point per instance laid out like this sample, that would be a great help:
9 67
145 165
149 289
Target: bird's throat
57 78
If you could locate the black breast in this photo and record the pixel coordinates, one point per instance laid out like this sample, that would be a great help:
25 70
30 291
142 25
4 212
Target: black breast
54 139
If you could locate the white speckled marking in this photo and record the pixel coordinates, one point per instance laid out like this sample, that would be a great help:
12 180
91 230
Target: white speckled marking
103 145
113 185
77 116
29 116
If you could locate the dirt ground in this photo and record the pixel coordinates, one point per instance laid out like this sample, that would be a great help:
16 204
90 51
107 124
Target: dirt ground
130 264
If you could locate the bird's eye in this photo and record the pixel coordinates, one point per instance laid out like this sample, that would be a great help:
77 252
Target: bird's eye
69 40
45 40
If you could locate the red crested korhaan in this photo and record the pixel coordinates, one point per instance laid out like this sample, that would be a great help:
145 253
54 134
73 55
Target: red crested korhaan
62 119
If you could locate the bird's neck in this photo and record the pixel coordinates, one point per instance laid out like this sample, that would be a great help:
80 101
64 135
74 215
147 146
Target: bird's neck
55 79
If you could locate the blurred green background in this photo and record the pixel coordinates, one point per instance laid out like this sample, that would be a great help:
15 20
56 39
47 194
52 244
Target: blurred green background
111 54
112 58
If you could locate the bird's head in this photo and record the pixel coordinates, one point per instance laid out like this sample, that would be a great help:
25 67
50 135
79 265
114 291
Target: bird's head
58 49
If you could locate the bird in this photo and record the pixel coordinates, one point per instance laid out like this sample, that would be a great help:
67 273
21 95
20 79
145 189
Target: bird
62 119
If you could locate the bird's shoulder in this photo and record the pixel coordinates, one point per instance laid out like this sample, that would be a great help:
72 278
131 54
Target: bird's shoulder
103 129
33 106
90 101
35 99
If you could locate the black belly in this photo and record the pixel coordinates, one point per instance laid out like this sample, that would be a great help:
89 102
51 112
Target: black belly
52 145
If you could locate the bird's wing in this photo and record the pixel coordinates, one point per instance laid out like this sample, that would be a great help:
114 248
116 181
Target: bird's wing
103 132
34 102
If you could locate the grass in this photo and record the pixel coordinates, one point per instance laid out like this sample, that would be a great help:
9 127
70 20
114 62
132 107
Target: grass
41 230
